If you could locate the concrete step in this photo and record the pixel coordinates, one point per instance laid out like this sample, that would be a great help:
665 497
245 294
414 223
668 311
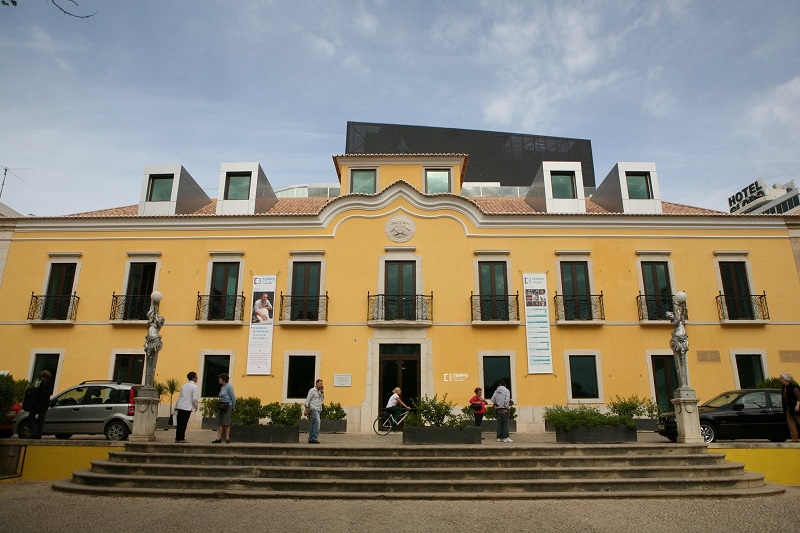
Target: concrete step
486 473
191 483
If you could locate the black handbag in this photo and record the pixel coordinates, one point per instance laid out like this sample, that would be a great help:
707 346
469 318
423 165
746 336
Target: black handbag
475 406
223 407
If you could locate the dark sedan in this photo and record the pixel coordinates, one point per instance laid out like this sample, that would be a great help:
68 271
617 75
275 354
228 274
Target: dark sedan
738 414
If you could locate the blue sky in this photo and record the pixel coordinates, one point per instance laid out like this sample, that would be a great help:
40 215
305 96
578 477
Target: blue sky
708 90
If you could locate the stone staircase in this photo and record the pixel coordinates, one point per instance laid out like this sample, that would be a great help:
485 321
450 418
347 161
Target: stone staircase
417 472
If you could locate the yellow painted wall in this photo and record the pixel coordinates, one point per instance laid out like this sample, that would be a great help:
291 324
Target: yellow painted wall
779 465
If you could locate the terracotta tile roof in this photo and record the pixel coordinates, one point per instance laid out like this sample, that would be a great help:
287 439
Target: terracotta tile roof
127 211
298 206
502 205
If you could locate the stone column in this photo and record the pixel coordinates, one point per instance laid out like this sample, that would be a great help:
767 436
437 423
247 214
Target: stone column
685 401
147 399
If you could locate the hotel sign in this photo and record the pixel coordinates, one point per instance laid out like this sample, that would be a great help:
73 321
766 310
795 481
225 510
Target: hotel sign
749 194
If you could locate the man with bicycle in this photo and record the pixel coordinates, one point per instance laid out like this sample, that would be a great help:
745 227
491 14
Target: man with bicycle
395 405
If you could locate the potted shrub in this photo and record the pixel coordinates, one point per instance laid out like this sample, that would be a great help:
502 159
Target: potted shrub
162 422
587 424
332 419
282 421
643 411
208 410
433 421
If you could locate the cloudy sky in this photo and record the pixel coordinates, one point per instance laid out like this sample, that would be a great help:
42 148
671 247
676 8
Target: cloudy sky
709 90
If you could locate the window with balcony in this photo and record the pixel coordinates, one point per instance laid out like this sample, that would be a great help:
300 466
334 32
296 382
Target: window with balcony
737 301
305 303
134 304
583 377
159 188
129 368
363 181
222 303
639 185
59 301
493 286
237 185
657 299
563 185
437 181
577 303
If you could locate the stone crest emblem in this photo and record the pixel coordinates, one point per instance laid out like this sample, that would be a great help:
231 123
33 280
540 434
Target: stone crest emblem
400 228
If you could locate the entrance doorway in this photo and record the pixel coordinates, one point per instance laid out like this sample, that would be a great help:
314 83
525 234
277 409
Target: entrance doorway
399 366
665 380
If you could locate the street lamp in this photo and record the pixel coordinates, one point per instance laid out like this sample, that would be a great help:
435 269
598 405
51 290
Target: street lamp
147 399
685 398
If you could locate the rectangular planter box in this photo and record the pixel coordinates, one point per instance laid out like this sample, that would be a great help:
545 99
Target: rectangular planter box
490 426
265 434
209 423
645 424
162 422
596 435
325 426
437 435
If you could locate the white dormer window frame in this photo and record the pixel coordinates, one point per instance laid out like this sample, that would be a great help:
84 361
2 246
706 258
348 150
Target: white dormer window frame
648 184
156 193
568 175
432 187
234 193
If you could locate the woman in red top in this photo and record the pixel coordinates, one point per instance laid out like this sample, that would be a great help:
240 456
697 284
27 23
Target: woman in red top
478 413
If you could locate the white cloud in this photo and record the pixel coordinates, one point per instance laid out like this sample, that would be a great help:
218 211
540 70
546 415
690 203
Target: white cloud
776 113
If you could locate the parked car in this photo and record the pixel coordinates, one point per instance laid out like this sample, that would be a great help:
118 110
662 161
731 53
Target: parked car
91 408
737 414
7 421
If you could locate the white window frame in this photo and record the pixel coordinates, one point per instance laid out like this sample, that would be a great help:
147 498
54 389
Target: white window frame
61 352
599 375
735 368
400 253
372 168
512 360
493 256
201 364
303 353
112 359
448 169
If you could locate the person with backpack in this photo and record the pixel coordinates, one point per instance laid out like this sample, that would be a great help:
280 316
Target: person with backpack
41 403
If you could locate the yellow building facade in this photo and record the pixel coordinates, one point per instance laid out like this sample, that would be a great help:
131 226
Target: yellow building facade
402 281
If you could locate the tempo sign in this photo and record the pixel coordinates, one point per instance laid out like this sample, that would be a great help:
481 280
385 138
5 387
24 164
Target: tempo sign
749 194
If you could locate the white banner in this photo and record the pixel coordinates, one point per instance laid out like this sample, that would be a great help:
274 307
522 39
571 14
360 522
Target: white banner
262 314
537 324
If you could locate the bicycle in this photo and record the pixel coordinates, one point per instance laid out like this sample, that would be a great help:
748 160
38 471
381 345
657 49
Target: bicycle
385 423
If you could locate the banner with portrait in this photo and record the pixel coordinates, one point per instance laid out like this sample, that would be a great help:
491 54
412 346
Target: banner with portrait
262 316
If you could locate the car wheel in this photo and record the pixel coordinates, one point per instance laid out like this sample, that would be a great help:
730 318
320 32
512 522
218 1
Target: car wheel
708 432
63 436
117 430
25 429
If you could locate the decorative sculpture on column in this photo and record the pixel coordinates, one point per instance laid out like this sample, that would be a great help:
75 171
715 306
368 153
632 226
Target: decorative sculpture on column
679 343
147 399
152 343
685 399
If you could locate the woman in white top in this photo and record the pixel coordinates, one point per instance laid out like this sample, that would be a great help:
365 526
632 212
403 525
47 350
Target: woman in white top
395 405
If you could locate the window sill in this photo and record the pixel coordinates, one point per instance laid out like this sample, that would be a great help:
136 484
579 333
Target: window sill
748 322
655 323
128 322
51 322
496 323
220 323
400 323
309 323
580 322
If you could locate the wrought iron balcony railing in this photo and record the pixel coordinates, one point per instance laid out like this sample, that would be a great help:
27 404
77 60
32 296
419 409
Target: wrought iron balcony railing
391 307
500 307
748 307
45 307
304 308
656 307
129 306
582 308
222 308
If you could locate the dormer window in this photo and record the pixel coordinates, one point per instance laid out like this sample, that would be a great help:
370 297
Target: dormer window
437 181
639 185
159 188
237 185
563 184
362 181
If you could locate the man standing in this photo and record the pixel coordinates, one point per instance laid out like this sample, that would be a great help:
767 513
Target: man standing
45 390
314 401
188 401
502 401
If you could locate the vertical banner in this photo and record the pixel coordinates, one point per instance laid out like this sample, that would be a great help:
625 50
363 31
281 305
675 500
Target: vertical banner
537 324
259 349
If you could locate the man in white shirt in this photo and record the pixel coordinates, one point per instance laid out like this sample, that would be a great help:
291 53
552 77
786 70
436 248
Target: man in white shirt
188 401
314 401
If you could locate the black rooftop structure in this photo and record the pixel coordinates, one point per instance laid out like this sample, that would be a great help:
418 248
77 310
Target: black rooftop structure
509 158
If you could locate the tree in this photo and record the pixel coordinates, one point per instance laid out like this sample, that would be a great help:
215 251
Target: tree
13 3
